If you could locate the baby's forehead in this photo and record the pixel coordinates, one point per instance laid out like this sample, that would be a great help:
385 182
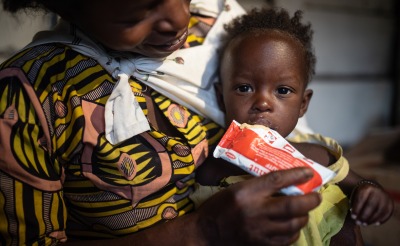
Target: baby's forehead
276 52
266 39
268 34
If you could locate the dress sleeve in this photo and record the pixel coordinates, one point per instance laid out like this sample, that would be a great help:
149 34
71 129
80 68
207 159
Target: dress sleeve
32 209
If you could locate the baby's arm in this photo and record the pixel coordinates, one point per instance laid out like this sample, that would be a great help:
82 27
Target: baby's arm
370 204
213 170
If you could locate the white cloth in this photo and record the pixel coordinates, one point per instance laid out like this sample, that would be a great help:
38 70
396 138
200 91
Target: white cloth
189 84
210 8
123 124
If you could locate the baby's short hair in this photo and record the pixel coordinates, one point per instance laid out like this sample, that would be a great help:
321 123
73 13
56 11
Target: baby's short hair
261 20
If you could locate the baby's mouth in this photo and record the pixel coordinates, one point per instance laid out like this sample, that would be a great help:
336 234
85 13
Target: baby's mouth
263 122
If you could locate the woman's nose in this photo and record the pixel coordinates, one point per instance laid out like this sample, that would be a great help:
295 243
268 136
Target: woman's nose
174 15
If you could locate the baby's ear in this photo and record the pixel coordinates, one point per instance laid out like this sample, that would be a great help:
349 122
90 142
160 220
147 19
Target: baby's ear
220 97
305 102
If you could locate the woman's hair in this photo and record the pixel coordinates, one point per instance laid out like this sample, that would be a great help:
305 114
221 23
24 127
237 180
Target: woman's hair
262 20
14 6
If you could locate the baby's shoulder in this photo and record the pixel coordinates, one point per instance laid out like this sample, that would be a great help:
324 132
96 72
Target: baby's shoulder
315 152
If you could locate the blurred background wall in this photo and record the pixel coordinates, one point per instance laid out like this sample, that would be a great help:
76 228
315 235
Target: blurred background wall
17 30
356 44
356 87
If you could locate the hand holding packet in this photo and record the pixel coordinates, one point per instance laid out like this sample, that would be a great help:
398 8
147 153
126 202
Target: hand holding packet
259 150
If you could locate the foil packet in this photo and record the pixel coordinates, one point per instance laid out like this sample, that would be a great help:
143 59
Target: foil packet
259 150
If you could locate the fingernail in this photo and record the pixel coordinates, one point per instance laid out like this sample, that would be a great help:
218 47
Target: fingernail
377 224
308 172
353 216
364 224
358 222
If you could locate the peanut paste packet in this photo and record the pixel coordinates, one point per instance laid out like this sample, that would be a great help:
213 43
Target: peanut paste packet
259 150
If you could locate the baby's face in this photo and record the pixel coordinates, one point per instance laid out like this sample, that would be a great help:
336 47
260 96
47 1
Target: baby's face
263 81
152 28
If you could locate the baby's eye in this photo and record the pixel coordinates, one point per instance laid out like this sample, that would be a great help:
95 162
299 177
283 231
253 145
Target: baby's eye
244 88
284 91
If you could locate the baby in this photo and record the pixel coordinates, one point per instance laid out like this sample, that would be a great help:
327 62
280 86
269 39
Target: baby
264 73
265 68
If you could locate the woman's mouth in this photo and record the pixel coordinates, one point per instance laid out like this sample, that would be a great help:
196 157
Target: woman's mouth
178 40
174 44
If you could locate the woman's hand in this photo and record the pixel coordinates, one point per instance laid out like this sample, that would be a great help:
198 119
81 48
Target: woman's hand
249 213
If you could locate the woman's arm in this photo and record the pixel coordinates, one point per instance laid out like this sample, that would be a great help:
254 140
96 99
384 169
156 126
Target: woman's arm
246 213
32 206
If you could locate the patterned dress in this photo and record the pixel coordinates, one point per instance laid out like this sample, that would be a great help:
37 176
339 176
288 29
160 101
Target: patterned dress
60 177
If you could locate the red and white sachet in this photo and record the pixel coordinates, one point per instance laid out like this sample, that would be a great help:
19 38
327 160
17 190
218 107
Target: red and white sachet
259 150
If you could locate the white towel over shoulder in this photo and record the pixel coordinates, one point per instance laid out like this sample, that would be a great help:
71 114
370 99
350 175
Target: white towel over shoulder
186 76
